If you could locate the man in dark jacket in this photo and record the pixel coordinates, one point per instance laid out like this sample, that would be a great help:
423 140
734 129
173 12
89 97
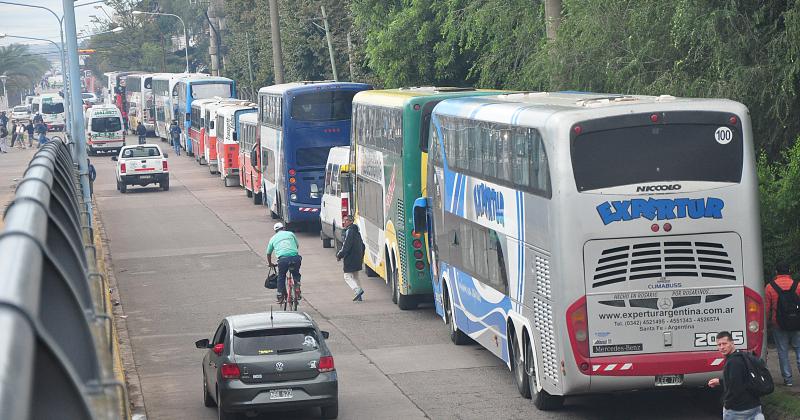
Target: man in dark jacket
738 402
142 132
352 253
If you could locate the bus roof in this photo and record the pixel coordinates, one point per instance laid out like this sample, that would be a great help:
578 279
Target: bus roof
230 110
204 79
105 109
399 97
250 117
548 103
297 87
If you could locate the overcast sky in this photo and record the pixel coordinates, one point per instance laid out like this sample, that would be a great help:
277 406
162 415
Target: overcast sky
38 23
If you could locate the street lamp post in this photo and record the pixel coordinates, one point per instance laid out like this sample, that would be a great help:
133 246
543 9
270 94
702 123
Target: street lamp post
185 36
3 78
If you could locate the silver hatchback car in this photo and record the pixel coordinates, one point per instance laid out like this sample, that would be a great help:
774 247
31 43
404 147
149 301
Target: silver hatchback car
269 361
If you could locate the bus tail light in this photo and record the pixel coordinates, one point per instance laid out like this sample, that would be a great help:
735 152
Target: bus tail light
122 168
578 328
754 316
230 371
419 265
293 188
345 207
416 243
292 172
292 180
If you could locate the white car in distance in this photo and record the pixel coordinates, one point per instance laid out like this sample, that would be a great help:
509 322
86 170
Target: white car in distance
141 164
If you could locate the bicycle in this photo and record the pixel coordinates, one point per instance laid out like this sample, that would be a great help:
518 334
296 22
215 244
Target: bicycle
291 299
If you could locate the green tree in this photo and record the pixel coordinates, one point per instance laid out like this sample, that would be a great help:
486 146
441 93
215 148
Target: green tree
22 68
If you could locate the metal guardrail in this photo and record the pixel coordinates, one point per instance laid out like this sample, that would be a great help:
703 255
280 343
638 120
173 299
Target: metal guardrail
55 335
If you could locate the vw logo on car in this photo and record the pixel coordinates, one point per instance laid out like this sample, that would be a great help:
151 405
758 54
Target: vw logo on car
279 366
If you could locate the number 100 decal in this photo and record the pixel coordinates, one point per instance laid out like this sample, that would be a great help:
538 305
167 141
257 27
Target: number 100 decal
710 339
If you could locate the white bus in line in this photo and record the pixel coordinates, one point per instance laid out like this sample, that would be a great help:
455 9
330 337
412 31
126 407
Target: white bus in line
595 243
51 107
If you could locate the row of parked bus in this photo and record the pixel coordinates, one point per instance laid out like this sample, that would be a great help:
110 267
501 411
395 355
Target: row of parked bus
593 242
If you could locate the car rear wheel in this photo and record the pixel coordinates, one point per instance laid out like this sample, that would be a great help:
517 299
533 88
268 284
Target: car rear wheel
164 184
330 411
207 400
222 414
123 187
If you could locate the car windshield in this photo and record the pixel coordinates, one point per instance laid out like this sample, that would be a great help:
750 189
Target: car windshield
20 109
86 95
106 124
141 152
275 341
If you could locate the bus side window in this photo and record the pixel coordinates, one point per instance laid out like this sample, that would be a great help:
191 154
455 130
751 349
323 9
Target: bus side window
335 179
465 237
497 263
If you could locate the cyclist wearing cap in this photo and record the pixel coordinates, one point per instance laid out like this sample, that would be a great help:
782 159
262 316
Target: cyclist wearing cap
284 244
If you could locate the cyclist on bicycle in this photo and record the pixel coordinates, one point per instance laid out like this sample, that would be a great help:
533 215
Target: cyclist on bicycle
284 244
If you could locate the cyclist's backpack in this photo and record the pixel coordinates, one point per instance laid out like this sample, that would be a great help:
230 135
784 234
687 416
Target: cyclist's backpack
272 279
759 380
787 311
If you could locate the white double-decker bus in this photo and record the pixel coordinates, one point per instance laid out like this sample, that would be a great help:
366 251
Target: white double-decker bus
595 243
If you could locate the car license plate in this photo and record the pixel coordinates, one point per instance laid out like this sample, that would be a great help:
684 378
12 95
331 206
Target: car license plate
280 394
669 380
145 176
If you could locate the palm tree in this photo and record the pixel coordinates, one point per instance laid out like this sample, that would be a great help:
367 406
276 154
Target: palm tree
22 68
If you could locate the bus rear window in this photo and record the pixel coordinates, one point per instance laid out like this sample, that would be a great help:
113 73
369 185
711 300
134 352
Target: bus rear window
106 124
210 90
654 153
276 341
323 106
312 156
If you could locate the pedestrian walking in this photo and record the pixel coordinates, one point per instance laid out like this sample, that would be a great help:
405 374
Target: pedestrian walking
142 132
3 120
41 132
739 402
92 175
783 315
21 135
13 131
175 136
29 129
3 139
352 253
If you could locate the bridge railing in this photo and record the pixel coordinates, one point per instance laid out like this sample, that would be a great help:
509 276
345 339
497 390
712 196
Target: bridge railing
56 335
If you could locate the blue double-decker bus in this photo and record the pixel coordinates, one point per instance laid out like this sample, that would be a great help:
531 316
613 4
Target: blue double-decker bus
299 123
197 87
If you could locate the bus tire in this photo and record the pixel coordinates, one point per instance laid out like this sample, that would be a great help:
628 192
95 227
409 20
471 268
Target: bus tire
519 365
370 272
456 335
257 198
248 192
541 399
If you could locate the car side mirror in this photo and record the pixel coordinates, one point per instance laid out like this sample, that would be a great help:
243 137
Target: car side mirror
325 334
166 155
114 158
202 344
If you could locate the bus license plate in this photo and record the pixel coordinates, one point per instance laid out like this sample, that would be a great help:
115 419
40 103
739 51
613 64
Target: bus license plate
669 380
280 394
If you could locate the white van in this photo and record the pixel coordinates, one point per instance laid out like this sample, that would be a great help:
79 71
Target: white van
104 129
51 108
336 201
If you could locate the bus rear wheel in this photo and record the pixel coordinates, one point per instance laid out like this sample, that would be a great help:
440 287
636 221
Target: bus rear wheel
541 398
519 363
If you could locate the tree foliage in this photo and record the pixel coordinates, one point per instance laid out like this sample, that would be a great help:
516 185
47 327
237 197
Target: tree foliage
22 68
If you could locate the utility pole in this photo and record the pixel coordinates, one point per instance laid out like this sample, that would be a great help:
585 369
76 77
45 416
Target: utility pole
213 47
330 45
552 17
79 133
249 65
350 57
277 55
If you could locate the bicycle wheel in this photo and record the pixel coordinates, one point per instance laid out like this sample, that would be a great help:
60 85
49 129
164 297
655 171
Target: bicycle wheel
288 296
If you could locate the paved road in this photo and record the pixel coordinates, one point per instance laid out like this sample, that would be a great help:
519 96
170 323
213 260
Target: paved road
186 257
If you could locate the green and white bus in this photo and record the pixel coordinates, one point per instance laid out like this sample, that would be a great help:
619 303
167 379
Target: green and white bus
385 145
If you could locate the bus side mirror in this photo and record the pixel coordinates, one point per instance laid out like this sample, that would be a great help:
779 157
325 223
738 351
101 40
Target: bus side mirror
235 136
254 157
420 215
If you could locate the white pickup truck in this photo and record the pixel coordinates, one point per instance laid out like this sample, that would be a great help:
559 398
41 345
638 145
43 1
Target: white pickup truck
141 164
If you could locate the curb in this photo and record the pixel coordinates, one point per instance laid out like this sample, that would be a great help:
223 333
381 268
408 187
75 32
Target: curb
124 357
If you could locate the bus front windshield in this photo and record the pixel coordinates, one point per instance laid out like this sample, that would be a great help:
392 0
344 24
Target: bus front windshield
655 153
323 106
106 124
210 90
52 108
